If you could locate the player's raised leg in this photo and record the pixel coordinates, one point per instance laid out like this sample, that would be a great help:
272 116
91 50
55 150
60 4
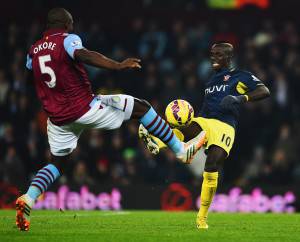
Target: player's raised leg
216 156
158 127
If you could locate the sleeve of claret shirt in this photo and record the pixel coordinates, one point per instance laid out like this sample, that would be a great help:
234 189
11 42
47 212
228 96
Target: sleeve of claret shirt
28 62
71 43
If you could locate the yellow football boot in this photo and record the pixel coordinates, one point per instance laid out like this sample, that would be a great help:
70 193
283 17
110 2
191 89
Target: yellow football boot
201 223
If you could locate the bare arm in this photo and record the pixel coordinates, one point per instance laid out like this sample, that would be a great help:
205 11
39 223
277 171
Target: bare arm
96 59
261 92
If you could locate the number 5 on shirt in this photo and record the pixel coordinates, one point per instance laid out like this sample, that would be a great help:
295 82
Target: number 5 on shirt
47 70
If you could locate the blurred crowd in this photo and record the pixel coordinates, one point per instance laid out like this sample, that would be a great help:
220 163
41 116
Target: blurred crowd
175 60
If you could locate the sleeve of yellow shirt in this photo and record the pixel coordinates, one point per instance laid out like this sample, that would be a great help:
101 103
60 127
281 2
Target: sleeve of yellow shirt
162 145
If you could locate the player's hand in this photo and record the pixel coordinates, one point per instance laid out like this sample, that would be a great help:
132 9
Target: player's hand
231 102
131 63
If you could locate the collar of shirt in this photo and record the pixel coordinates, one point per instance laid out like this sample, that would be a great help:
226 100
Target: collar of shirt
223 71
51 32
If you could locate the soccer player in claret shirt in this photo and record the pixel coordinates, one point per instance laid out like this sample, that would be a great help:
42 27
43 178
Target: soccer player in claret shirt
64 89
225 92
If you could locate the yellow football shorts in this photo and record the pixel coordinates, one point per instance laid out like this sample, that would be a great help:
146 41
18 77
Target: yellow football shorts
217 133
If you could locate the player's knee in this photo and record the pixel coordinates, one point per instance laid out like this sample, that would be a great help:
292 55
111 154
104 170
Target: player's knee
143 103
140 108
211 167
215 159
60 162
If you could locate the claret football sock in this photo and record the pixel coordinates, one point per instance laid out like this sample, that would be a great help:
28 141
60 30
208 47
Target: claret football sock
160 128
209 187
43 179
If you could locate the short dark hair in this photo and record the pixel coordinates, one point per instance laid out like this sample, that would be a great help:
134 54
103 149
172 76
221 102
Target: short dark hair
58 17
227 46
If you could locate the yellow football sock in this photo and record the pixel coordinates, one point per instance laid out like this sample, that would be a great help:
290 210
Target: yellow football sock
209 187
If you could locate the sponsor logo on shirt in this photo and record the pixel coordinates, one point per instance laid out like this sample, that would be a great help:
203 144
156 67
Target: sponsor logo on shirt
216 88
255 78
226 78
75 43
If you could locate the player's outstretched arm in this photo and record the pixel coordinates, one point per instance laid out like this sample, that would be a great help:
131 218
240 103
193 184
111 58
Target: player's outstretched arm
259 93
96 59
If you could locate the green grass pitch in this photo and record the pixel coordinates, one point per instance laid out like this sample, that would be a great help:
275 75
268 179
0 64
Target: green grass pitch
130 226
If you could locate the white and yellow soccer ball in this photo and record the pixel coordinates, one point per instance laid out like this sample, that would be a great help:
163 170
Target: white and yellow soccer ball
179 113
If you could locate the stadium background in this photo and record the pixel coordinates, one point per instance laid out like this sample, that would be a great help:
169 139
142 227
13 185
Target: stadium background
173 39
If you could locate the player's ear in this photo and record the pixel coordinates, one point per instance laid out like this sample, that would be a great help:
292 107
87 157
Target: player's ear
229 57
69 26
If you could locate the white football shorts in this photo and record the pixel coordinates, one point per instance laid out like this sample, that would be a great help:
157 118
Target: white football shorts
107 112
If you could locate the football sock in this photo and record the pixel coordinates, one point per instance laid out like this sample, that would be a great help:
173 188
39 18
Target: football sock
162 145
209 187
160 128
45 177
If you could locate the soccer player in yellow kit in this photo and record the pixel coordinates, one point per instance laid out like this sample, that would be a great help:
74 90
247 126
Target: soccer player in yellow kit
225 92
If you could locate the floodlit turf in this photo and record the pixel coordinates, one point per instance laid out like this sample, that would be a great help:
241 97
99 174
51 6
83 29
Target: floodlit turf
130 226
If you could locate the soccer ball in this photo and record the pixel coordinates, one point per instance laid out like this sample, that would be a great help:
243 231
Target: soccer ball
179 113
